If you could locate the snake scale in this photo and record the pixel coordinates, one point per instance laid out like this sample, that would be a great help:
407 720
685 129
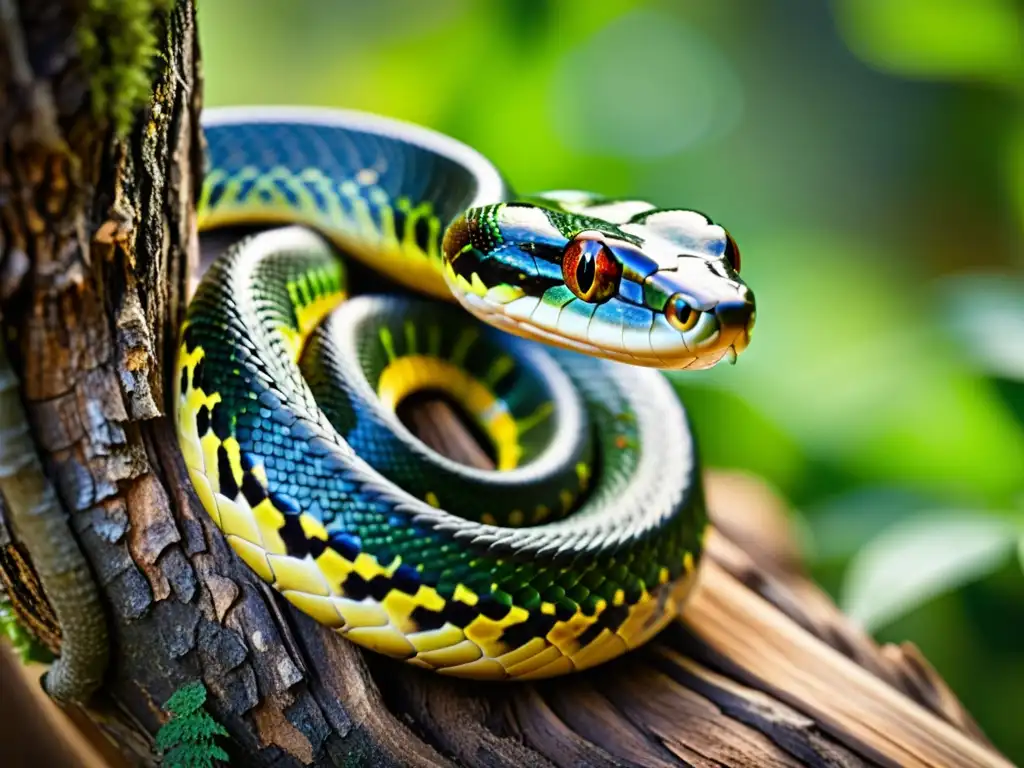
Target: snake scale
583 540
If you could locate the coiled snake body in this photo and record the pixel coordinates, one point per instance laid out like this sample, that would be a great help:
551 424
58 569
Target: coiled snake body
582 543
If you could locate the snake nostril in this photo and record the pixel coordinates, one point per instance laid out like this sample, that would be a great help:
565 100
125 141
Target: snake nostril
734 314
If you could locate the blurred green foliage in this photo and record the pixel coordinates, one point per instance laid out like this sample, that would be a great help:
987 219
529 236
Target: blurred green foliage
23 643
868 155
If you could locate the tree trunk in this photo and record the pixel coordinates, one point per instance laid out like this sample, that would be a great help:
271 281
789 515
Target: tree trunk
98 244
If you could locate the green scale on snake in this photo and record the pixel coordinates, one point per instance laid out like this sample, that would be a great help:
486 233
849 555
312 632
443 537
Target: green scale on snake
583 541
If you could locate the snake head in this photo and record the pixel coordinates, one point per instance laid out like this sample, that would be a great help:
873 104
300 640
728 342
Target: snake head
617 279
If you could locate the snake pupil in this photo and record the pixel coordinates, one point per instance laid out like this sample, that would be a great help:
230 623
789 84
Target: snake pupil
680 314
683 312
585 271
590 269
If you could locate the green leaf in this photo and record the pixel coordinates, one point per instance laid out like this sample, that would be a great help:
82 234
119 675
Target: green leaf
217 753
917 559
985 313
194 728
843 525
187 699
1020 552
24 643
977 39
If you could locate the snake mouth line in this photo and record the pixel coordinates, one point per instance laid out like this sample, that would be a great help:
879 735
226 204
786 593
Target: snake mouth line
494 314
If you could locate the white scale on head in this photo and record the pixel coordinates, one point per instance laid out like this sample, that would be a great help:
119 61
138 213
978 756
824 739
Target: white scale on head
670 235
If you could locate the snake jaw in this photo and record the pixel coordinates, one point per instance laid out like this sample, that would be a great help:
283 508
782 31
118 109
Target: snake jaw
519 323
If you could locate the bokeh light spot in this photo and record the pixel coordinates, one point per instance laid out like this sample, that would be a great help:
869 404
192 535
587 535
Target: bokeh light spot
646 85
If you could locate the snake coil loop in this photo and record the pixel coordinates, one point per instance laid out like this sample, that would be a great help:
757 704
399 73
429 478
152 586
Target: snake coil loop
583 541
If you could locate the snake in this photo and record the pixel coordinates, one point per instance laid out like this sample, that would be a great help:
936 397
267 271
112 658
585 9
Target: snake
395 263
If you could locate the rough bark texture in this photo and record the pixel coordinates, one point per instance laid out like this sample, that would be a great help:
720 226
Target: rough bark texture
97 239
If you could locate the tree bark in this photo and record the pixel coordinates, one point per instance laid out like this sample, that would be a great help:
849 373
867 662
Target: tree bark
98 244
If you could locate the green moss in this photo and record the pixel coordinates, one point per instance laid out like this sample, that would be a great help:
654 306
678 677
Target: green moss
118 42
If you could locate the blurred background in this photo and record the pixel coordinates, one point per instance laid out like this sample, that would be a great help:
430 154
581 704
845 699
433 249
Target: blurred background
868 156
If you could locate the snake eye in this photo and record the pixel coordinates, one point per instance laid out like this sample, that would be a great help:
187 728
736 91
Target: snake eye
732 253
680 314
590 269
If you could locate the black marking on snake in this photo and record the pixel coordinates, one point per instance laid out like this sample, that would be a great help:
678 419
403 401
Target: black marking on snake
294 538
245 188
459 614
564 611
216 193
493 609
202 420
454 612
220 419
188 338
286 504
591 633
427 619
588 605
318 197
493 272
247 461
406 579
358 588
287 192
252 490
506 384
198 373
634 591
316 546
421 233
538 625
345 545
613 617
228 486
376 216
552 254
183 384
